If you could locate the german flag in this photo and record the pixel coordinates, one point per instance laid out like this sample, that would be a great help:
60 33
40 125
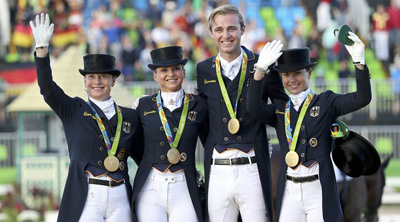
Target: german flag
22 36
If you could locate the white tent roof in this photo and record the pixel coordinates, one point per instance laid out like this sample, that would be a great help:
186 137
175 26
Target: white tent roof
67 76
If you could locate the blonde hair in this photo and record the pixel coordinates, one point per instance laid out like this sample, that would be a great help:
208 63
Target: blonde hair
225 10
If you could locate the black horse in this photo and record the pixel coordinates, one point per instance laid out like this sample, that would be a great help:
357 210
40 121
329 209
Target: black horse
360 197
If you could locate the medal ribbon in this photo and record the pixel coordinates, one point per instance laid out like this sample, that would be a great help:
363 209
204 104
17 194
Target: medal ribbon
173 143
111 150
292 141
225 95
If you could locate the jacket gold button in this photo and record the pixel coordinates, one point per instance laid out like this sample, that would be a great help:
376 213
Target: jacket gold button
162 157
222 100
101 137
303 141
240 119
112 138
100 162
303 127
161 128
226 138
302 155
162 143
239 138
224 120
175 129
241 100
101 148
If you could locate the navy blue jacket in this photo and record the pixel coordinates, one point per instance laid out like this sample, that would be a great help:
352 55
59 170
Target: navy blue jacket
252 131
86 145
321 113
156 144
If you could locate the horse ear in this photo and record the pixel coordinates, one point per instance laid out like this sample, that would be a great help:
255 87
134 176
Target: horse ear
386 162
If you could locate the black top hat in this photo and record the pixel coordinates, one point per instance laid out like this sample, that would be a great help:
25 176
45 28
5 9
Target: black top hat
167 56
355 156
99 63
294 59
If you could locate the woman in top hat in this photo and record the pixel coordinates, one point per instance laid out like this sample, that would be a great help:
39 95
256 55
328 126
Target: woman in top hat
306 182
99 134
165 186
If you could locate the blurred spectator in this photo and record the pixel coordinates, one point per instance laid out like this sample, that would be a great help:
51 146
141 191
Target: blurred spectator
339 11
343 74
297 40
128 58
160 35
313 43
395 75
253 35
5 28
21 37
394 23
359 17
324 15
144 59
380 28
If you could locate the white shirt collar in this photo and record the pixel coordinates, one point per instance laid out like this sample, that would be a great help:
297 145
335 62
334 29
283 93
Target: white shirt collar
231 67
172 100
298 99
106 106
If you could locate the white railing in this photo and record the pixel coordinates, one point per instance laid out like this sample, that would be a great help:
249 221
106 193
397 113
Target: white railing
34 142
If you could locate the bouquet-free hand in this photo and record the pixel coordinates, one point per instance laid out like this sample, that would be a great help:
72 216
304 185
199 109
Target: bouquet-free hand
356 50
43 31
269 54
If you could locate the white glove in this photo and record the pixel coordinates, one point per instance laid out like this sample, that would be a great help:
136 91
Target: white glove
356 50
43 31
268 55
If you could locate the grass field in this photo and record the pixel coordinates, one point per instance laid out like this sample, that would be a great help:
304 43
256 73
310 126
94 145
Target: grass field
393 169
8 175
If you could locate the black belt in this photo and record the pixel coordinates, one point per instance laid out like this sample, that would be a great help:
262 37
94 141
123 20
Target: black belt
234 161
109 183
302 179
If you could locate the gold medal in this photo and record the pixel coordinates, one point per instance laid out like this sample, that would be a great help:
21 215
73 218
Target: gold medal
292 158
173 156
111 163
233 126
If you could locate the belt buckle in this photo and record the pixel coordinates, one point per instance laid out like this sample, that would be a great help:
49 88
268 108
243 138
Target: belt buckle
230 161
109 183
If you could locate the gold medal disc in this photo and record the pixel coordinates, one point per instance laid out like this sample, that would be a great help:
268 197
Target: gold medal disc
233 126
173 156
292 158
111 163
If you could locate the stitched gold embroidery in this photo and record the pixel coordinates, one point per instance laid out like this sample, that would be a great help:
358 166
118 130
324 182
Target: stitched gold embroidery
149 112
88 114
209 81
279 112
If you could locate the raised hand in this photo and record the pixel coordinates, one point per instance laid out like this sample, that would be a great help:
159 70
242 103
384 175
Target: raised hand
356 50
268 55
43 31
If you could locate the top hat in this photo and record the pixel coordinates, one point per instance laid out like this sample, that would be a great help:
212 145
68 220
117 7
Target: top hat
167 56
99 63
294 59
342 34
355 156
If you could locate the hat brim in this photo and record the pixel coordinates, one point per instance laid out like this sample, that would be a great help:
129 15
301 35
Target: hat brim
168 63
292 67
113 72
355 156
